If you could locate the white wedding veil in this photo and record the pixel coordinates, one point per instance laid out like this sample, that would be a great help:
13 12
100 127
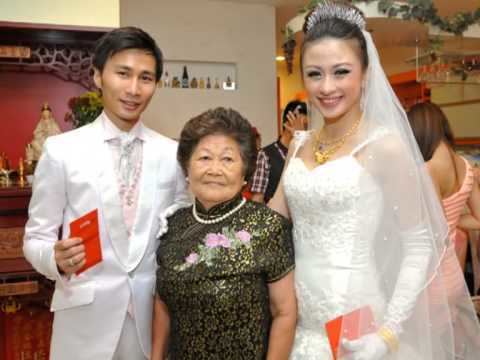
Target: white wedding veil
424 300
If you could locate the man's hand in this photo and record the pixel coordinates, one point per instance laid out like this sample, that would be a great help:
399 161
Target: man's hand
296 121
69 255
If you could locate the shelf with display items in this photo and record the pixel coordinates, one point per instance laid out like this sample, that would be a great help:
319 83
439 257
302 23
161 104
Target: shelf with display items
201 75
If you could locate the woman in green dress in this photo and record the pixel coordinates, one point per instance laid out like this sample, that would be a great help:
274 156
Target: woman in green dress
225 277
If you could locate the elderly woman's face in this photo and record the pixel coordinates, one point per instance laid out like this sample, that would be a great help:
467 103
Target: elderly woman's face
215 170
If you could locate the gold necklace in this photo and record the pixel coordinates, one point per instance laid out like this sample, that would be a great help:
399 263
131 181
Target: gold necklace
323 150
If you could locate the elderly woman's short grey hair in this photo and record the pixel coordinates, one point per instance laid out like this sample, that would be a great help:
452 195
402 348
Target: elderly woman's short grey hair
221 121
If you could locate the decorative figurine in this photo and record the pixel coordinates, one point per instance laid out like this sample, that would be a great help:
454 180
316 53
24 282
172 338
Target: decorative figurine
46 127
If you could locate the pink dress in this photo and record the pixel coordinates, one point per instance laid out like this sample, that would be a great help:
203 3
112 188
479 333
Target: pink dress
452 275
455 203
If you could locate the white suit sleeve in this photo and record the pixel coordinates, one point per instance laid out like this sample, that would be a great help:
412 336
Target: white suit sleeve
45 214
181 200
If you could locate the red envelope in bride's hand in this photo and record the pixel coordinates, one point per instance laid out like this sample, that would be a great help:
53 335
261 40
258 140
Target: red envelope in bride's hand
350 326
86 227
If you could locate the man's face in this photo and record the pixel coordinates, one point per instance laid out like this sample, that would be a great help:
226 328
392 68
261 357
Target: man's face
127 83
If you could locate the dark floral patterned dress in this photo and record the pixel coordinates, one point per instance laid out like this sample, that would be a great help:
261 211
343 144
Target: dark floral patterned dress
214 280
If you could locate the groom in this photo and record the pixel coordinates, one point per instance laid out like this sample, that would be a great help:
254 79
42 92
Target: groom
129 174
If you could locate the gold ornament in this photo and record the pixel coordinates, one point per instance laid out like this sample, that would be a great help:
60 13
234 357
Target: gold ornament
389 337
322 156
323 150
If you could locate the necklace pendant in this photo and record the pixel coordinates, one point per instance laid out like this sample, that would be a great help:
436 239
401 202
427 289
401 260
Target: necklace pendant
320 157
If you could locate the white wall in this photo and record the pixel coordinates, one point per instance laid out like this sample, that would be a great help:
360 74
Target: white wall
464 119
97 13
203 30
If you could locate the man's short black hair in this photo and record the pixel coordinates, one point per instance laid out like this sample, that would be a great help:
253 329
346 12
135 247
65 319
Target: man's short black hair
127 38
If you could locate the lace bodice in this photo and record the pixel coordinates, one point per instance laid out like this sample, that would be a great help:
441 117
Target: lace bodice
326 209
330 217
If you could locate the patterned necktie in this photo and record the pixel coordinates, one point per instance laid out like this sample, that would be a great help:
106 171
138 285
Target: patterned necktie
125 163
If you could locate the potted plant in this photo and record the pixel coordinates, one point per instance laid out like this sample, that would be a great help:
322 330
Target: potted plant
84 109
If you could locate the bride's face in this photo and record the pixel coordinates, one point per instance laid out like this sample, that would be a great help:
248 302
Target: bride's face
333 77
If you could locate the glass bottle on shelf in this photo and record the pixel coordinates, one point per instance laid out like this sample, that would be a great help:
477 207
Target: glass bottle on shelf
175 82
185 81
194 83
209 85
229 84
166 80
201 83
217 85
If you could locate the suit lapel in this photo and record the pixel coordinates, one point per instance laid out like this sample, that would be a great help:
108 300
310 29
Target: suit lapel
143 217
110 199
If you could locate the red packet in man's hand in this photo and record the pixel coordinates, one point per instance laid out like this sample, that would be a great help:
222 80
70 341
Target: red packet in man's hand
350 326
86 227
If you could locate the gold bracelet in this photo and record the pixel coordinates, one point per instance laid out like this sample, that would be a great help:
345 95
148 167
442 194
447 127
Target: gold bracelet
389 337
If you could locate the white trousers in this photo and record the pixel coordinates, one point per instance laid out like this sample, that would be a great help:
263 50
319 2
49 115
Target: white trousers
129 347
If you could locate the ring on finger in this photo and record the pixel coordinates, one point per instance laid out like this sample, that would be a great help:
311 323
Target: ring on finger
70 262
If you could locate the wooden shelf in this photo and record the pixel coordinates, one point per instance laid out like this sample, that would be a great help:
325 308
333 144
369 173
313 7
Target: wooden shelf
408 90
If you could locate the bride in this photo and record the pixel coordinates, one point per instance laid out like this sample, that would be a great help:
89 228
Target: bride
368 228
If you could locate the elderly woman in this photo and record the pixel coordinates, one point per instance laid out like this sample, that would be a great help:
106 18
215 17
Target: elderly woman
225 277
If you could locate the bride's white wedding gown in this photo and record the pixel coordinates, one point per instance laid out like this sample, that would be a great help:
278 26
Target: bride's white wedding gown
333 233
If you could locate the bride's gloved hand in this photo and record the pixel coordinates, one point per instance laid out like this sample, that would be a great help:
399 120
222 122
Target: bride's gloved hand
368 347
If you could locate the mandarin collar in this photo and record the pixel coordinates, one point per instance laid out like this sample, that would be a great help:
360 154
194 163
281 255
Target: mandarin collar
221 208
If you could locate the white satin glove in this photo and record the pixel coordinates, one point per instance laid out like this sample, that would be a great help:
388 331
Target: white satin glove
368 347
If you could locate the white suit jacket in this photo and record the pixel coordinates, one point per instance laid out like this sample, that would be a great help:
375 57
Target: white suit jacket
74 176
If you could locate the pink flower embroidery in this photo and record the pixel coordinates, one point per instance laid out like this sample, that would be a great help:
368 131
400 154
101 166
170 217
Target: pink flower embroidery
192 258
212 240
224 241
212 247
243 236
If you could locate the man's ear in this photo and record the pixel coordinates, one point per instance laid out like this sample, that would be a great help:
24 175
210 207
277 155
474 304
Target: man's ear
97 78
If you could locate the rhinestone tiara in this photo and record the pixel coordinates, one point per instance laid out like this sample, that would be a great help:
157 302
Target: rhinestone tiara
331 10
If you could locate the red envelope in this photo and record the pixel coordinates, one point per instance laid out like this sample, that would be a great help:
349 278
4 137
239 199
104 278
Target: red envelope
350 326
86 227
